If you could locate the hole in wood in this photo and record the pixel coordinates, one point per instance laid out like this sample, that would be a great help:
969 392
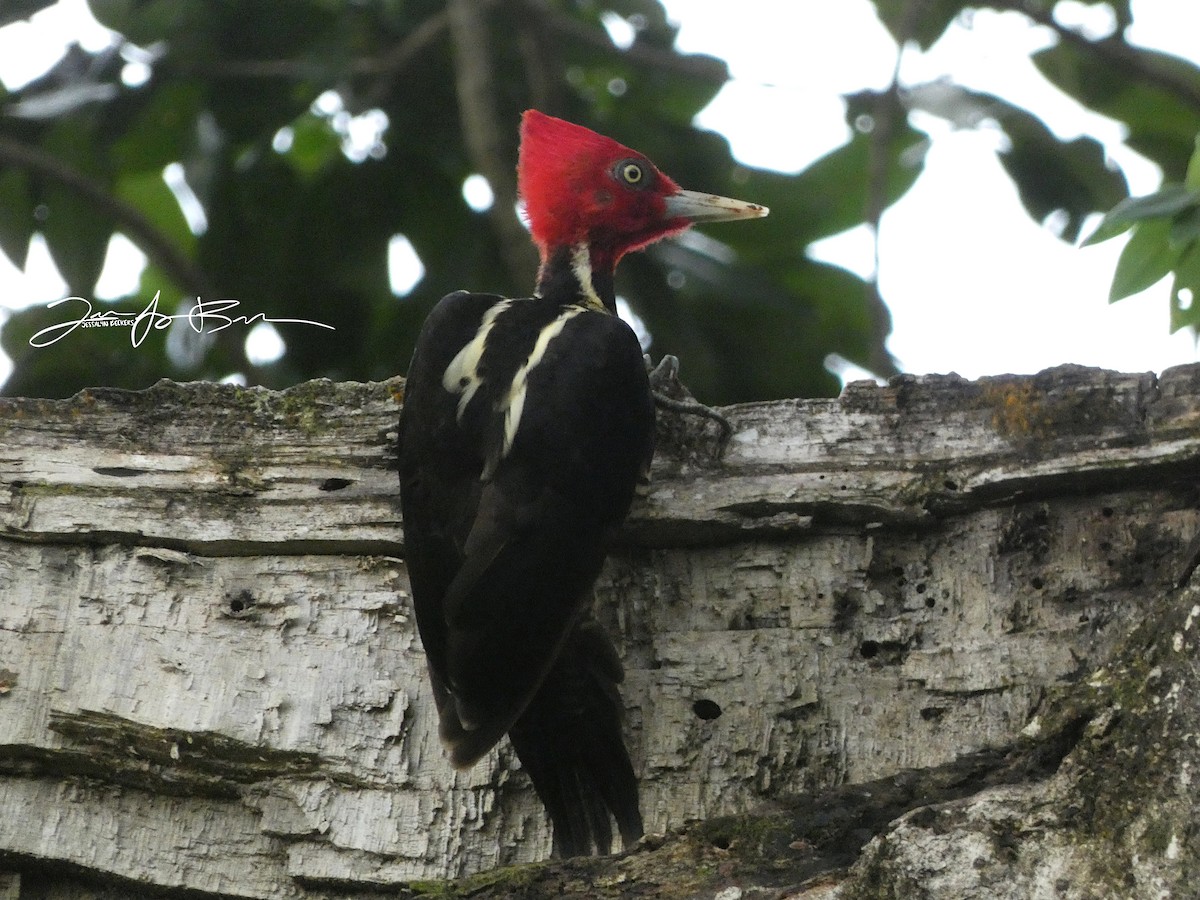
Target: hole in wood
336 484
241 603
706 710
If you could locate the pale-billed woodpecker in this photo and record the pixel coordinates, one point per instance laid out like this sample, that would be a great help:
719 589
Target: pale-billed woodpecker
527 425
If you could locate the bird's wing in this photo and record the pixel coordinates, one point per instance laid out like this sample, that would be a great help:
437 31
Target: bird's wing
439 467
522 584
516 544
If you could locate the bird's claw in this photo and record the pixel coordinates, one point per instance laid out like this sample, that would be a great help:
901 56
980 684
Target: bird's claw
665 374
664 378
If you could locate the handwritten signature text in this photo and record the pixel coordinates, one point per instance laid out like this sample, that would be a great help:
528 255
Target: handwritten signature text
205 316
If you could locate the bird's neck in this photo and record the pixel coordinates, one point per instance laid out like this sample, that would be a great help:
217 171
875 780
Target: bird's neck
578 275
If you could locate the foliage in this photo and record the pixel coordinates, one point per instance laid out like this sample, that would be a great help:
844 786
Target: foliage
293 216
1165 240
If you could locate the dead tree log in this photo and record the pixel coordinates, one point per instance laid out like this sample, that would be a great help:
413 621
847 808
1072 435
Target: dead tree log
835 638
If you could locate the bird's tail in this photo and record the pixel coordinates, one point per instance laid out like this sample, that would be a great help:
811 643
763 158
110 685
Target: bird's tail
569 740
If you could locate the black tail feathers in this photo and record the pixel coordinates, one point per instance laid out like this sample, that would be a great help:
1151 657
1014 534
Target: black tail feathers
569 740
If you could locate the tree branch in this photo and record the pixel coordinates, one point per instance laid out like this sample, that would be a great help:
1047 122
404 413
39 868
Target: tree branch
129 219
820 590
390 62
542 60
388 65
483 133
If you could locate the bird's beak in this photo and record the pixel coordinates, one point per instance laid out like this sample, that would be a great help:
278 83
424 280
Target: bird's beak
699 207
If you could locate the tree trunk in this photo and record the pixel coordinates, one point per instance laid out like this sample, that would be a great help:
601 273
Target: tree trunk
921 641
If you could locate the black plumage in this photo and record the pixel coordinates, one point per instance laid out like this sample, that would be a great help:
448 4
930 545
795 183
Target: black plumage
527 425
504 544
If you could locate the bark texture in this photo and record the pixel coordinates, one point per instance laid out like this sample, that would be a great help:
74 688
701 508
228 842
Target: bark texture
931 640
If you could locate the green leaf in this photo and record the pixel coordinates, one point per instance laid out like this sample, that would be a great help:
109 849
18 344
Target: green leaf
1185 291
147 21
1055 176
314 145
113 14
150 195
1192 178
1162 125
1145 261
828 197
164 129
1169 200
1185 227
77 233
934 18
17 223
77 228
1051 175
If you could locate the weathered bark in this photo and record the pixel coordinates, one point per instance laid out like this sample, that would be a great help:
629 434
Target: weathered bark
922 640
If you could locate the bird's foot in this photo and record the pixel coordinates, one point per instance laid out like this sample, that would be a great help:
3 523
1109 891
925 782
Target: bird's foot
664 382
665 375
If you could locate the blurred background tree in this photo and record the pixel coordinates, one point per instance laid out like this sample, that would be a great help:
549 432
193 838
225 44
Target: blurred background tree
351 162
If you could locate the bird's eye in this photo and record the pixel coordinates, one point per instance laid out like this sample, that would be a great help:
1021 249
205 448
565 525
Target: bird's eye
632 173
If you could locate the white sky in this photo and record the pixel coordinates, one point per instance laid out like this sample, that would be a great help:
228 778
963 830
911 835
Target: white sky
973 285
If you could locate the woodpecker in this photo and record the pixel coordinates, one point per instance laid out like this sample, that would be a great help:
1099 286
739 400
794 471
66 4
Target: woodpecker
526 426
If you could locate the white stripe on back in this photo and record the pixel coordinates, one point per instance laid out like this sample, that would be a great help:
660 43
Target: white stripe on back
513 404
462 375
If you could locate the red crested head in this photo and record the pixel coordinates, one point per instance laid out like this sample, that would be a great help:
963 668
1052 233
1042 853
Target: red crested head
580 187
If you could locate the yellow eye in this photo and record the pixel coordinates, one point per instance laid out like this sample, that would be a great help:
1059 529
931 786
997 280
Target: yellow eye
632 173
